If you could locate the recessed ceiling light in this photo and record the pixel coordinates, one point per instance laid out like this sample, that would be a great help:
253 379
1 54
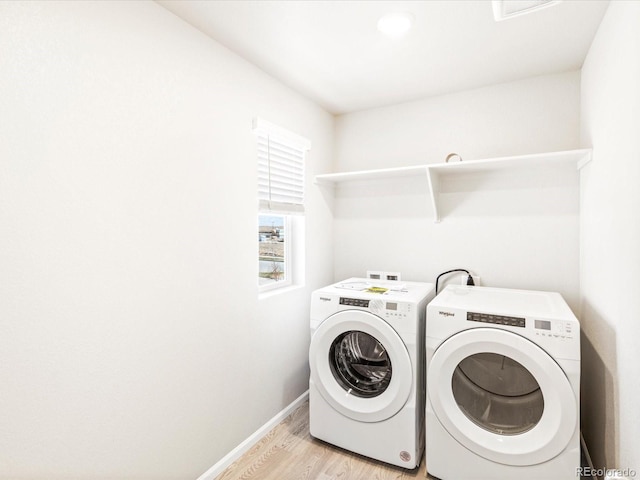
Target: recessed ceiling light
503 9
395 25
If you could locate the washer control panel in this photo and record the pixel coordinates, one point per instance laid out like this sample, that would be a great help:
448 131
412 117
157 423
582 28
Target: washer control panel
395 310
387 310
354 302
496 319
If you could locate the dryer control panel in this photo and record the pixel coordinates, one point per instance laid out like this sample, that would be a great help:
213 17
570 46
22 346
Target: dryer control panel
496 319
554 329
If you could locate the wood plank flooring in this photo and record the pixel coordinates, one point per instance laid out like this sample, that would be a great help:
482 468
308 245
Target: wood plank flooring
288 452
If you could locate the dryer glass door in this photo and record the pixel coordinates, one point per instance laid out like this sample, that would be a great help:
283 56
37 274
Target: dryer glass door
502 396
497 393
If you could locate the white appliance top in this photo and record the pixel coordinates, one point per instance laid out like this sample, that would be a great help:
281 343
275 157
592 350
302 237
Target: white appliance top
378 289
529 303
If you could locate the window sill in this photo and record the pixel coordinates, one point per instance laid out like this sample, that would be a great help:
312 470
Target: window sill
279 291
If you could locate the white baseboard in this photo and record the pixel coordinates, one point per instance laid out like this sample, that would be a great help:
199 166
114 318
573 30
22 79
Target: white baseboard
254 438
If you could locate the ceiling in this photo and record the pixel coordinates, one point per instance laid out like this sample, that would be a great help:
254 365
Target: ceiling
332 52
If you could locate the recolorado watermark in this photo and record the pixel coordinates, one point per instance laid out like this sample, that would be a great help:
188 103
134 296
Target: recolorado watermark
606 472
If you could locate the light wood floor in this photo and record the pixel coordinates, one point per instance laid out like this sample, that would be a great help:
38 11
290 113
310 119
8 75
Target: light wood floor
288 452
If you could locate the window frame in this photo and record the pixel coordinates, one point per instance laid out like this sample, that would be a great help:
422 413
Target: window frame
289 207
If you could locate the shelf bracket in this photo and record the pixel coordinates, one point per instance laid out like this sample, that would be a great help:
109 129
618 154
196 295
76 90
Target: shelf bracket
434 191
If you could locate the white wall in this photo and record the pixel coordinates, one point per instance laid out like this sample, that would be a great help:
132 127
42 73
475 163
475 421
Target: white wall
610 240
513 231
133 344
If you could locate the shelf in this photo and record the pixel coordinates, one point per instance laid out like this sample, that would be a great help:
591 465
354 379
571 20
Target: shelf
578 157
437 173
335 178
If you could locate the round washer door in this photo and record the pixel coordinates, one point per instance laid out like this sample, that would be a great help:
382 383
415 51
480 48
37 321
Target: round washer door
360 365
502 396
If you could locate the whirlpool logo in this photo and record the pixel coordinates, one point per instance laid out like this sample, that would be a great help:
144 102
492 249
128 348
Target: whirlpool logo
325 299
446 314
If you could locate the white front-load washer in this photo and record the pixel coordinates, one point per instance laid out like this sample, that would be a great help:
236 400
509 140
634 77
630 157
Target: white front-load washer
366 386
503 385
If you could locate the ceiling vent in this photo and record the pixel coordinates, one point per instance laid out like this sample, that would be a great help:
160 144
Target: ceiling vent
504 9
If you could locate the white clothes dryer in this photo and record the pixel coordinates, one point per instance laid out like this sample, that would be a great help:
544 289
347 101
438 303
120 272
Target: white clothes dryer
366 386
503 385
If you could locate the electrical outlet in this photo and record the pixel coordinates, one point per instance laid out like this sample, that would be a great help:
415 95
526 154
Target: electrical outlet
392 276
384 276
375 275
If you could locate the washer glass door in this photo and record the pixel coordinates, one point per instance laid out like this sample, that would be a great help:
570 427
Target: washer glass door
361 366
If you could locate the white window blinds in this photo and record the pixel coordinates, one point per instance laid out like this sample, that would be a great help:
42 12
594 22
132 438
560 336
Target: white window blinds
280 168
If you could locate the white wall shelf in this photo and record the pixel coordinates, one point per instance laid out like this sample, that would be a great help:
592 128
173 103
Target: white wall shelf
336 178
438 173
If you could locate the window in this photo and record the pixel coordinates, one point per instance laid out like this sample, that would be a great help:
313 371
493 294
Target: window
274 253
280 203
